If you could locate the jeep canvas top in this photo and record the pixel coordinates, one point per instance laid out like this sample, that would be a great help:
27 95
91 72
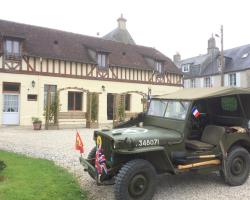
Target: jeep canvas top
192 130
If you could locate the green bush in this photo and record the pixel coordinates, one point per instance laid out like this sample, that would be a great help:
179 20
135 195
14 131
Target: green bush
2 165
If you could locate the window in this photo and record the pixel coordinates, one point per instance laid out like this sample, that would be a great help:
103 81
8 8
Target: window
12 48
229 104
232 79
32 97
193 83
11 87
127 102
158 66
169 109
102 60
157 108
75 101
207 82
52 90
185 68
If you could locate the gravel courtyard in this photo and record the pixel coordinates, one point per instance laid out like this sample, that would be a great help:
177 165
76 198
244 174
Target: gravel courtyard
58 145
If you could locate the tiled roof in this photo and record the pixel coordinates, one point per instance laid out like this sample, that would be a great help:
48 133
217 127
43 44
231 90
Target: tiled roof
119 35
234 61
51 43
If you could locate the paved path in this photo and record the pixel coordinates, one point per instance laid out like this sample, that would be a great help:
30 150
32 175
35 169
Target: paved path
58 145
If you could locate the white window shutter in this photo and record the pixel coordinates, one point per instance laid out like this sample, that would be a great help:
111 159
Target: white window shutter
226 82
212 81
238 79
202 82
186 83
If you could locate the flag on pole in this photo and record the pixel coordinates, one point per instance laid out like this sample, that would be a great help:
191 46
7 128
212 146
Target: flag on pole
79 143
100 161
195 112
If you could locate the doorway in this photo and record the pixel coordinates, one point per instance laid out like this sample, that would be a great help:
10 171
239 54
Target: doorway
10 109
11 103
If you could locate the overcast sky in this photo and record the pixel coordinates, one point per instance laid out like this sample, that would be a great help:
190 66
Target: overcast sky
169 26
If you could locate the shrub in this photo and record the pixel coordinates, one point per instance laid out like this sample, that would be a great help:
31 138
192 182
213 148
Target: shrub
2 165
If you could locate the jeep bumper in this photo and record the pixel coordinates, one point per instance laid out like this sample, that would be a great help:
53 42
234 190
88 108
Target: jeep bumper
88 167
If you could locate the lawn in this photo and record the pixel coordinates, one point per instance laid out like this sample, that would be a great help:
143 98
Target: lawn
36 179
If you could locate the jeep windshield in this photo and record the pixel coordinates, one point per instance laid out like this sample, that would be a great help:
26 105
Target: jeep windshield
168 109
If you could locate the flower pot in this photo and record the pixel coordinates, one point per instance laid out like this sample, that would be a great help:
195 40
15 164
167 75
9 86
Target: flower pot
37 125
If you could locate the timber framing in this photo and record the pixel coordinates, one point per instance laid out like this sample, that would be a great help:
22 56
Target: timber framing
57 55
70 69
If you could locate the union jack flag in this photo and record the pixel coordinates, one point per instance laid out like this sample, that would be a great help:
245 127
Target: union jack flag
100 161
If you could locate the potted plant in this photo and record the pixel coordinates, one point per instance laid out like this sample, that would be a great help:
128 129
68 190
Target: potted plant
37 123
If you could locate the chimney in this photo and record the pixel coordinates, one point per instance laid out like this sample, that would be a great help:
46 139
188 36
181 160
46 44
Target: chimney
121 22
177 58
211 45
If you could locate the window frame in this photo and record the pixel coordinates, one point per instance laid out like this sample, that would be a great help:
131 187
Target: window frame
103 58
184 66
74 101
207 84
11 91
12 54
159 66
232 79
193 83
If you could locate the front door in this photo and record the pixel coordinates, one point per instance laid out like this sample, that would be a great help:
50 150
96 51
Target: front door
11 109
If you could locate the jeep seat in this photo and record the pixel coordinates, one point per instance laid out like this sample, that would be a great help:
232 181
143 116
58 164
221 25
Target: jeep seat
211 136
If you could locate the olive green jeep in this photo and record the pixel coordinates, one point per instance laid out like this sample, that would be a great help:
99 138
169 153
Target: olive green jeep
192 130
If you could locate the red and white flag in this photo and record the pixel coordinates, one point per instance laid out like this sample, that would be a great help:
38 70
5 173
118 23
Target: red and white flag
79 143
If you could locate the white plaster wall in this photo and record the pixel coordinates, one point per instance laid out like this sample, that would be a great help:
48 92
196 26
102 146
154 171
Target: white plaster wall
29 109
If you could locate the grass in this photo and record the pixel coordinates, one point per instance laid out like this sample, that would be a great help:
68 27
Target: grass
36 179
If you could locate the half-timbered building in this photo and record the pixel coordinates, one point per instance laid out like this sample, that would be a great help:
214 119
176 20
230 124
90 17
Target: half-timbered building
35 60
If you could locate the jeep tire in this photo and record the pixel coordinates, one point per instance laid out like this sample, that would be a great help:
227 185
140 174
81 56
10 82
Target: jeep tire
237 166
91 159
135 180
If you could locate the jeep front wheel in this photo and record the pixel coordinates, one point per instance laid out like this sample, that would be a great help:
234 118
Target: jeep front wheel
135 180
237 166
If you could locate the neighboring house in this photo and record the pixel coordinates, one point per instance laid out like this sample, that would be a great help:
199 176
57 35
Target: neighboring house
204 70
35 60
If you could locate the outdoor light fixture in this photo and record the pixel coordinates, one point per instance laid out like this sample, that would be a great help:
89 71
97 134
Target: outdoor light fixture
33 83
103 88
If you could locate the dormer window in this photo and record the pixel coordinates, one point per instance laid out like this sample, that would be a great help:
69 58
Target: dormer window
185 67
102 60
158 66
12 49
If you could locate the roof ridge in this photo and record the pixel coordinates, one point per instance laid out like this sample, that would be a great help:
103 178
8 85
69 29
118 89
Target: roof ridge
237 47
69 32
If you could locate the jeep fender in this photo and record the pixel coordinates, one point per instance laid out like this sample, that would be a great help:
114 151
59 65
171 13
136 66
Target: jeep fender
156 155
236 139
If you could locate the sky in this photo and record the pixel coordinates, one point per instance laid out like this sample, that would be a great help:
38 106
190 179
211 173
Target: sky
170 26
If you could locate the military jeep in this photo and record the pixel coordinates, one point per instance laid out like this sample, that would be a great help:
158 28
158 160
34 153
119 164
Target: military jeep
192 130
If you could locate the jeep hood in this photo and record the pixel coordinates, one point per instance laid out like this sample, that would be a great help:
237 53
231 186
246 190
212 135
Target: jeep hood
147 132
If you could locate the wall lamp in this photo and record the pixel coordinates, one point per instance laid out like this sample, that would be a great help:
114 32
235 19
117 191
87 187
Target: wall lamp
103 88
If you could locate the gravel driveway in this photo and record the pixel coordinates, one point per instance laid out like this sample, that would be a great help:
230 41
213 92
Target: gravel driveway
58 145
